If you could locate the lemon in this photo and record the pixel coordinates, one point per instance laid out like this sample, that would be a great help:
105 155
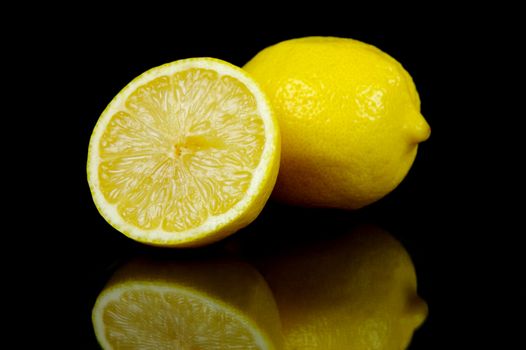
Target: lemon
169 305
349 116
353 292
186 154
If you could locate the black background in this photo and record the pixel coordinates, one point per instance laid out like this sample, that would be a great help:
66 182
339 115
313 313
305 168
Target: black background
445 212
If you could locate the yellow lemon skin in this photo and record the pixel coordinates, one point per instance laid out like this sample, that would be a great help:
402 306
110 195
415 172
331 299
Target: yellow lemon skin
349 116
354 292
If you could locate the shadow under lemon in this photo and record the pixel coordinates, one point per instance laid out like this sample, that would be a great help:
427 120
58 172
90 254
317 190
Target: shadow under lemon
355 291
187 305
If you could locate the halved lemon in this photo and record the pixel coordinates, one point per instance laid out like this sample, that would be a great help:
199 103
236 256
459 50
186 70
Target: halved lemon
203 305
186 154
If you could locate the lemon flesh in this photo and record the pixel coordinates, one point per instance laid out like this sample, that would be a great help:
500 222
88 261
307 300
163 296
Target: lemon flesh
186 154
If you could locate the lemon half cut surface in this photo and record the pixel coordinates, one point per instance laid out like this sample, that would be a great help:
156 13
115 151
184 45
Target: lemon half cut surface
186 154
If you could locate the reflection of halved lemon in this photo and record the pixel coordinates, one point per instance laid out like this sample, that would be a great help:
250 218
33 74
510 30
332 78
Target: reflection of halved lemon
356 292
187 306
186 154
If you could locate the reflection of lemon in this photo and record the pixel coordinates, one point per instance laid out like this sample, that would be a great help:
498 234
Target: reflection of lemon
184 155
187 306
349 116
356 292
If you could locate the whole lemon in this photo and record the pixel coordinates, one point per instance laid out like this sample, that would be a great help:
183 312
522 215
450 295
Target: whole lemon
349 116
357 291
